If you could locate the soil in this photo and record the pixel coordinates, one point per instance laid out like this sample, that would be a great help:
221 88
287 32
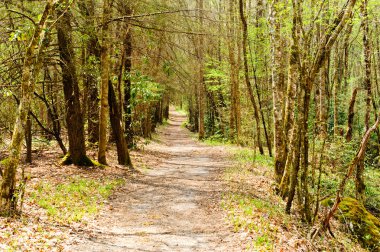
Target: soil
173 205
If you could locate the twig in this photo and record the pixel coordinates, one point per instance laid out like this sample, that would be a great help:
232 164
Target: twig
24 15
122 18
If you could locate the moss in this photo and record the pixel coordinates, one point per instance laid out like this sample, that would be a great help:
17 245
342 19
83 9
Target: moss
85 161
66 160
361 223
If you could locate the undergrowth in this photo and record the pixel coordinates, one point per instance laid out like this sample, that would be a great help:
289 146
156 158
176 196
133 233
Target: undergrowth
246 209
335 164
217 140
254 209
74 200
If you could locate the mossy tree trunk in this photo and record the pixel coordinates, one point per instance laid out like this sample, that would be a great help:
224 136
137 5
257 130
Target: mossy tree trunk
105 68
28 139
360 185
351 114
8 200
74 116
278 90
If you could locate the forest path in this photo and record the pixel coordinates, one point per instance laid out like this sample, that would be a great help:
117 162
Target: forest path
172 207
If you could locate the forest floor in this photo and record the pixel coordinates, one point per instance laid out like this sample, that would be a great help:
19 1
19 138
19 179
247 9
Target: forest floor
187 196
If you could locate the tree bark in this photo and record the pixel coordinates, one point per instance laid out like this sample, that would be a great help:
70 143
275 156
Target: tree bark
28 139
360 185
105 68
201 84
116 120
127 86
351 114
74 116
278 93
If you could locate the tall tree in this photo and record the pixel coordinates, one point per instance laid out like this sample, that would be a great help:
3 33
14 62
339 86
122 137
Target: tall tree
246 73
105 68
74 115
360 186
200 81
234 71
278 89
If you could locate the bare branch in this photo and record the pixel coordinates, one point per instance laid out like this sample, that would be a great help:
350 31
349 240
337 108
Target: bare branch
24 15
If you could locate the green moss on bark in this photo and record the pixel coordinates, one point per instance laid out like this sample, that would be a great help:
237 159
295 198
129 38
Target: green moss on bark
84 161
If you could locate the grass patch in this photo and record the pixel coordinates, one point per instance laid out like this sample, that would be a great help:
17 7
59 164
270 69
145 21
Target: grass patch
74 200
249 156
184 124
247 209
165 122
254 215
217 140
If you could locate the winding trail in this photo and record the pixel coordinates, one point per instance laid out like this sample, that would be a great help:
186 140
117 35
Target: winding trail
172 207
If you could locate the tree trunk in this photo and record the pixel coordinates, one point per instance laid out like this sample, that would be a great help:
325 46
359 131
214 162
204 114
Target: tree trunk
234 72
351 114
105 68
289 126
278 94
360 185
336 88
201 84
323 99
259 49
74 116
116 124
28 139
125 73
127 87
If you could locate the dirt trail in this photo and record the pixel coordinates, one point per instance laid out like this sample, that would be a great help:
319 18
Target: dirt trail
172 207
